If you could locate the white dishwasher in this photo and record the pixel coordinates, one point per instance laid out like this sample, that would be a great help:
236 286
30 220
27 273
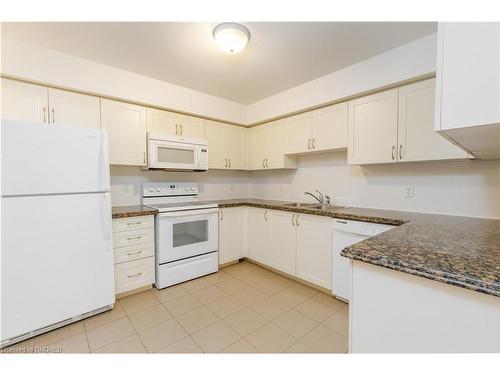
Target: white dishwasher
346 233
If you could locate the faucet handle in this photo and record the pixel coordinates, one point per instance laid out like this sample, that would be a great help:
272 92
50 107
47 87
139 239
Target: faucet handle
320 195
327 199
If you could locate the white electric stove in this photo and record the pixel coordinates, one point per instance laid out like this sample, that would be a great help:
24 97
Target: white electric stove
187 232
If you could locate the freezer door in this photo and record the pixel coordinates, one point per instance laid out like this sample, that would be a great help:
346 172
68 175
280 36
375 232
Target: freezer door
56 260
41 159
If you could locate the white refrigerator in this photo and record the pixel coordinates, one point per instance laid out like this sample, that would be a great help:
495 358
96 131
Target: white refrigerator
56 242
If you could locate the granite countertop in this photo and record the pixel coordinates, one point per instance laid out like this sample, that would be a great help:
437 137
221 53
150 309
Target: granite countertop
460 251
130 211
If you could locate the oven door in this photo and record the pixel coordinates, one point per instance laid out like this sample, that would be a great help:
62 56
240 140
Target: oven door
185 234
172 155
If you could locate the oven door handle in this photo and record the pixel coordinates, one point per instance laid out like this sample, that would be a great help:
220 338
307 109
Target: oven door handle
189 212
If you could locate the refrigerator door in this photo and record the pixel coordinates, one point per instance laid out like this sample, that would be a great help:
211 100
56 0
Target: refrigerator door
41 159
57 259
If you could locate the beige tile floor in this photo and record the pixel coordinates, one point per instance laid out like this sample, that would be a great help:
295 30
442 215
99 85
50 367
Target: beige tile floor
243 308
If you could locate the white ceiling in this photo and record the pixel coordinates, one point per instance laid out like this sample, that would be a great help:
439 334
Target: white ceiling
280 55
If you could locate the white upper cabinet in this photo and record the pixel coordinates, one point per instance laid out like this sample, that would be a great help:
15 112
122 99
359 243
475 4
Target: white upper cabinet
72 109
268 147
298 133
126 125
166 122
226 145
372 128
24 102
319 130
417 139
329 128
468 74
397 125
468 86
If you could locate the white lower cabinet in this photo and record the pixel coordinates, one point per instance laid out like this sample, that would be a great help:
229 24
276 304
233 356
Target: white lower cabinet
232 239
296 244
314 250
282 241
258 242
133 248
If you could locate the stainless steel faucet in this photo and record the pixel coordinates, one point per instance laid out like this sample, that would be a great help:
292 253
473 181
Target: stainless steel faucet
320 198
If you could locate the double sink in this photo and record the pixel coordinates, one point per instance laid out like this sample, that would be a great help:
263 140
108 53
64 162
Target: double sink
317 206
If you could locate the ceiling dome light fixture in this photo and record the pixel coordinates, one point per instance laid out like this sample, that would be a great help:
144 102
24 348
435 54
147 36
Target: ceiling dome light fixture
231 37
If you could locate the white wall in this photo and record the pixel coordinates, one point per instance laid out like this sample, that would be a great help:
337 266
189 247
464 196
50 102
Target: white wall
126 183
25 61
415 59
468 188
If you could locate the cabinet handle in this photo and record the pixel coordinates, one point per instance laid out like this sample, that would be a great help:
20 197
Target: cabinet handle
229 162
136 223
176 129
297 220
392 152
263 163
293 217
265 215
136 275
309 144
181 128
44 115
400 152
267 163
135 253
53 116
134 238
221 215
225 163
313 142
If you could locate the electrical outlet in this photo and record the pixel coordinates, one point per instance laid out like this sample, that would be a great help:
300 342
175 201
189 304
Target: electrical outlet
409 191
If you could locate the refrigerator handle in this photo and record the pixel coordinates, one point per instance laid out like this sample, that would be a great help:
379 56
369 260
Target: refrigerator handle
106 220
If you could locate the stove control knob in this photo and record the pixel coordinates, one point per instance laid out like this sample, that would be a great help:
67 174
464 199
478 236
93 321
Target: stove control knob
151 189
158 189
187 189
192 189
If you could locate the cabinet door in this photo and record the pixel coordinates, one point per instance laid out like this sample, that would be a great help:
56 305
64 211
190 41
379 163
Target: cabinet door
217 156
259 143
126 125
248 133
192 127
258 243
275 144
329 128
372 130
468 73
164 122
417 139
314 250
282 241
24 102
231 236
72 109
298 136
234 144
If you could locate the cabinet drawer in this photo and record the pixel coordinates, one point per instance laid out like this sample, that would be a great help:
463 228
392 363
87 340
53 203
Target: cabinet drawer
133 237
128 253
131 223
134 274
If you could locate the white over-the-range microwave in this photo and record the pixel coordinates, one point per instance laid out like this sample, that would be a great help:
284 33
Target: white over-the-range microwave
176 153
